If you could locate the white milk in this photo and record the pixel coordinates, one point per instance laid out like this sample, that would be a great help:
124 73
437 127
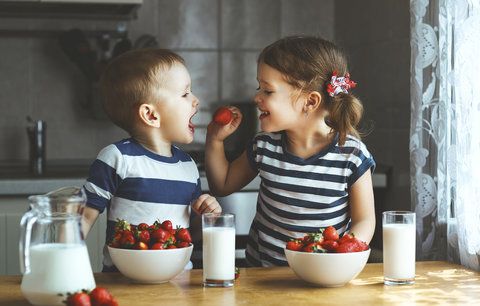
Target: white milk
399 251
219 253
56 268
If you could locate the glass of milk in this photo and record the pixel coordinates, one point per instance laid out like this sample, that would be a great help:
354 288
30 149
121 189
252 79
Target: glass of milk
218 234
398 247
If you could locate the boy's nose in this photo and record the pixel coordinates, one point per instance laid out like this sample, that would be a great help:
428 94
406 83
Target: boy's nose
196 102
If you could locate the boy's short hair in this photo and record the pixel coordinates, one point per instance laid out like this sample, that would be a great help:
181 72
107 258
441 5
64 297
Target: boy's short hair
132 79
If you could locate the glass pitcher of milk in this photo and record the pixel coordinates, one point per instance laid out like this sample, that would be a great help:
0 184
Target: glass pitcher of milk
53 255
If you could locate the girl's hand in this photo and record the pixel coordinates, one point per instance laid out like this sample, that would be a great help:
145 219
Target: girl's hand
217 132
206 204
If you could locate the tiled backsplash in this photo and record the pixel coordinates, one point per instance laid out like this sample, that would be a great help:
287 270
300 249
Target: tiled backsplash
220 40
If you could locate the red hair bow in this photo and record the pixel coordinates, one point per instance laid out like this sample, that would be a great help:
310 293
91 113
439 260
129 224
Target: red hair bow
340 84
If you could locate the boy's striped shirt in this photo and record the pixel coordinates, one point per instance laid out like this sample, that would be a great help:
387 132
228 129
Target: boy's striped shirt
138 185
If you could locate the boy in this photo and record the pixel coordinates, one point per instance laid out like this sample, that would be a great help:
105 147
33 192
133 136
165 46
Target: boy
144 178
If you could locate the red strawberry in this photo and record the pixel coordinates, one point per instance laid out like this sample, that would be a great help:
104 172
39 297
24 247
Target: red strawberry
330 233
182 244
360 245
171 246
329 245
157 246
184 235
142 227
346 247
345 238
112 302
167 225
159 235
79 299
223 116
141 245
143 236
100 296
128 240
295 245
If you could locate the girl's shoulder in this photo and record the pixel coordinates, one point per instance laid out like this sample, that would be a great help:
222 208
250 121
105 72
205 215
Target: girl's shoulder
354 146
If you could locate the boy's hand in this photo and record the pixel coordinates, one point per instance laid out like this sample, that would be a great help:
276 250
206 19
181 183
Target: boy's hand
206 204
219 132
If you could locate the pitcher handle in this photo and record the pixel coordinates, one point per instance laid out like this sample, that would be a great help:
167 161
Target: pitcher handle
26 225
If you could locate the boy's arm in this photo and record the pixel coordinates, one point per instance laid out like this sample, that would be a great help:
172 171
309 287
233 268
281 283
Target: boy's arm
362 208
89 216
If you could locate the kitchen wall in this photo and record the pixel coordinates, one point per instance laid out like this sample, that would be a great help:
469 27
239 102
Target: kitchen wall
376 36
220 40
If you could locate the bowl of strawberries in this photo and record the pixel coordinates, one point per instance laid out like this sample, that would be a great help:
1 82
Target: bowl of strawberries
153 253
325 259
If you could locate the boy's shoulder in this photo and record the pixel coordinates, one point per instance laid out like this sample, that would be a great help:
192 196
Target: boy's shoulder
182 155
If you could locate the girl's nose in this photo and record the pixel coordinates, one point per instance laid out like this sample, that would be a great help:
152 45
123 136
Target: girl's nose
256 99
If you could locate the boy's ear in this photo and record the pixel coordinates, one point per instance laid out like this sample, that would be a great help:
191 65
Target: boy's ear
149 115
313 102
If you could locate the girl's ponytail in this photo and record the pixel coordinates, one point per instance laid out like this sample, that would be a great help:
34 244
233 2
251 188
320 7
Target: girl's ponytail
345 113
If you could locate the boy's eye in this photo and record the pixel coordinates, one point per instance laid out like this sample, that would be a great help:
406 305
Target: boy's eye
186 95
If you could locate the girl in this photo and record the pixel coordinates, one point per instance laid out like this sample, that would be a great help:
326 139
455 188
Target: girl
312 164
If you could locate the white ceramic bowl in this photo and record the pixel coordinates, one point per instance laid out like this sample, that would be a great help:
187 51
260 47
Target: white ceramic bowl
150 266
327 269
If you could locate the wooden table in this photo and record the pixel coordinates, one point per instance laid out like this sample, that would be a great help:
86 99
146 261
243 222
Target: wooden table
436 283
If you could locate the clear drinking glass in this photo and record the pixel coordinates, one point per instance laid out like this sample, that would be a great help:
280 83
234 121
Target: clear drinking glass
218 231
398 247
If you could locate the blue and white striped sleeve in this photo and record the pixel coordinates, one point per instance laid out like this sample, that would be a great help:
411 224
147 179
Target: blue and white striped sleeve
104 178
362 161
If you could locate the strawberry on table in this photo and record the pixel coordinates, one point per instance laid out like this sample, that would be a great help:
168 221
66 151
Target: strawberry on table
79 299
100 296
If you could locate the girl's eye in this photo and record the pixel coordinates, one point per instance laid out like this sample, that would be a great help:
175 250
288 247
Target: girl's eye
267 92
186 95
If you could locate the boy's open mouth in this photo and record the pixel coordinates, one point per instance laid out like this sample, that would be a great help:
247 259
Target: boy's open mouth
263 114
191 126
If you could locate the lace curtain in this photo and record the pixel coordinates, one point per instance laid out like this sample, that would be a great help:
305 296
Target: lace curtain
445 129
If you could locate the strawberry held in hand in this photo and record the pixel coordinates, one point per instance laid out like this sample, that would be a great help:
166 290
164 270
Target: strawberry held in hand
223 115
